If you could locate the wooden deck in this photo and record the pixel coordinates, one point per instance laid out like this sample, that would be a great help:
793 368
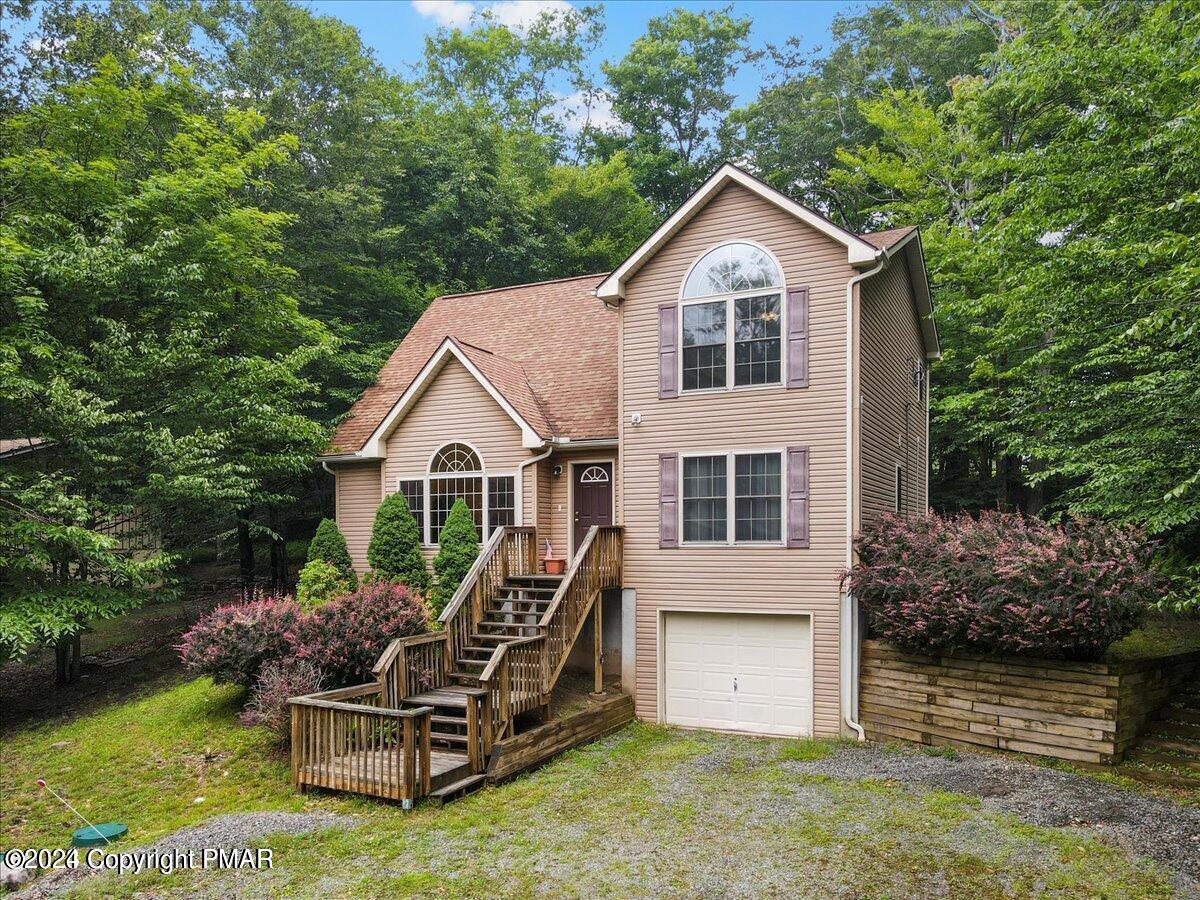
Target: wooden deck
380 773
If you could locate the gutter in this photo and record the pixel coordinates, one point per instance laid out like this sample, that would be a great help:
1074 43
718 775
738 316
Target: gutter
521 481
849 620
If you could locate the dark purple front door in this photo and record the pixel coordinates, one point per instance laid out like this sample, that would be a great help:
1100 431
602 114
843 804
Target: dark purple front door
593 498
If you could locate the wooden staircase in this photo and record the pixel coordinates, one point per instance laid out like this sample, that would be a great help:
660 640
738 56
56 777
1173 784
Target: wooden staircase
441 700
1168 751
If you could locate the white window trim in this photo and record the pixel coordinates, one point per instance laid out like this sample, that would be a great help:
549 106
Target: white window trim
731 499
728 299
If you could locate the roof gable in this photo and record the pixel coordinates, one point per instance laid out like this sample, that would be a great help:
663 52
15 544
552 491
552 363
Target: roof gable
475 360
858 250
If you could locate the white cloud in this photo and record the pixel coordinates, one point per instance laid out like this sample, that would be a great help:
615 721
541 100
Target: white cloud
450 13
574 113
518 15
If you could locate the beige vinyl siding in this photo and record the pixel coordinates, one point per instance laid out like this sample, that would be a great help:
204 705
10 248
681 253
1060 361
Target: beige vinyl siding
356 497
455 407
769 579
892 412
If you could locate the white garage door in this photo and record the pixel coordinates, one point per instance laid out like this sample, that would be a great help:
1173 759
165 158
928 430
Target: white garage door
739 672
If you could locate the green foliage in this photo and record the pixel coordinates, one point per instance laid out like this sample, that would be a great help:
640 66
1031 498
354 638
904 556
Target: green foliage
329 544
321 582
458 550
395 548
148 336
672 90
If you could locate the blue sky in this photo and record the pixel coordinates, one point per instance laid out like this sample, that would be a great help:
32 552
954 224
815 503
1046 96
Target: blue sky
396 29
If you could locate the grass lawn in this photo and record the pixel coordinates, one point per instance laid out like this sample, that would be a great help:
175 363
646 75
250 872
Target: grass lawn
649 811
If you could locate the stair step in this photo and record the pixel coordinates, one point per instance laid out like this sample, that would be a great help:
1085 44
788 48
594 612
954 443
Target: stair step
540 578
466 679
480 664
448 720
493 625
1149 757
493 639
541 591
1171 746
457 789
453 696
1182 714
476 650
448 737
1177 729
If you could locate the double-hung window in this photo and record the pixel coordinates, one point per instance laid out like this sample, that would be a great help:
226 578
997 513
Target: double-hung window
746 508
731 320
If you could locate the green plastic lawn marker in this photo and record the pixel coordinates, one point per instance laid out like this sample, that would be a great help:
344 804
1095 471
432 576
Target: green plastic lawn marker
92 835
96 835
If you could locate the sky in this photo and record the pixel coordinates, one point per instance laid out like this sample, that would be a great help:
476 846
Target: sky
396 29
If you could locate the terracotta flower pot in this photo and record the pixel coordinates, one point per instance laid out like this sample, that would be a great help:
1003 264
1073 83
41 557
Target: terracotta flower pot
555 566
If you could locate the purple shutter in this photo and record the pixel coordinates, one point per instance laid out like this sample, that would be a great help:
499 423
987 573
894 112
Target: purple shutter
797 497
668 341
797 337
668 500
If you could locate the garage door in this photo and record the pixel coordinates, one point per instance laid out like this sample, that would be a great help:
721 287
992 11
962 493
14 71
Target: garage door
738 672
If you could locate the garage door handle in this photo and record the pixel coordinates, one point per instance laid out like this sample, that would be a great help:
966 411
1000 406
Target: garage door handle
735 684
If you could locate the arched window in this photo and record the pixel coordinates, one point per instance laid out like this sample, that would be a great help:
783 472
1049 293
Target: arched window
731 268
594 475
456 458
736 283
456 471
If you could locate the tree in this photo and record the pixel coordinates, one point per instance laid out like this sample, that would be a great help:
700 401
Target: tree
1057 203
321 581
671 91
395 548
458 550
329 544
148 336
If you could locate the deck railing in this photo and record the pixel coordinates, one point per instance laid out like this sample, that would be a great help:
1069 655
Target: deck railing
411 665
513 679
596 567
345 740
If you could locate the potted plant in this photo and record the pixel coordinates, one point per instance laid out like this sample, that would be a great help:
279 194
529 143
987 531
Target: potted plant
553 566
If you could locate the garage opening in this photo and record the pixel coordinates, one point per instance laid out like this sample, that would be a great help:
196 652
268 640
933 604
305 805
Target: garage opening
738 672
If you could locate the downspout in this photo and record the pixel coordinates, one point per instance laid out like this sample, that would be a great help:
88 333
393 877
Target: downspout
521 482
849 623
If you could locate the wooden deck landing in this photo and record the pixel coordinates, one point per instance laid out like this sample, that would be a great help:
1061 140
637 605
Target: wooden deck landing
380 773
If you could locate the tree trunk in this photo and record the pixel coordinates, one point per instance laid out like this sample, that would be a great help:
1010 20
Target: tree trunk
279 569
68 659
245 550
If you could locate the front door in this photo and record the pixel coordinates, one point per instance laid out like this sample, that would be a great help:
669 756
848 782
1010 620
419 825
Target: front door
593 500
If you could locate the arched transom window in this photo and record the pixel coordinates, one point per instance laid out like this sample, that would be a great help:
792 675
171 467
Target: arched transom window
456 471
456 458
731 319
594 475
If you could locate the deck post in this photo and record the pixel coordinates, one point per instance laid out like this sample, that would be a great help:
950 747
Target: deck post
408 750
598 643
473 734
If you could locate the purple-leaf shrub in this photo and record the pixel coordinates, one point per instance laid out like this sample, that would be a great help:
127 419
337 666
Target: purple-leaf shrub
233 643
277 683
345 637
1003 583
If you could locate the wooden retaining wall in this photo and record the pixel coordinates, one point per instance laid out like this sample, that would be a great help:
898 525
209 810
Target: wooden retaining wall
525 751
1085 712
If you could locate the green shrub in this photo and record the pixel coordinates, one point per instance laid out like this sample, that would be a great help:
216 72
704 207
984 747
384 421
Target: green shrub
395 549
320 582
329 545
459 549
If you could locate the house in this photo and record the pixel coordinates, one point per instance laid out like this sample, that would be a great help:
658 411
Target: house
740 396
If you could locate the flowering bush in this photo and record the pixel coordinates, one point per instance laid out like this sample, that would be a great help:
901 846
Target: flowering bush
233 643
276 684
1003 583
345 636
